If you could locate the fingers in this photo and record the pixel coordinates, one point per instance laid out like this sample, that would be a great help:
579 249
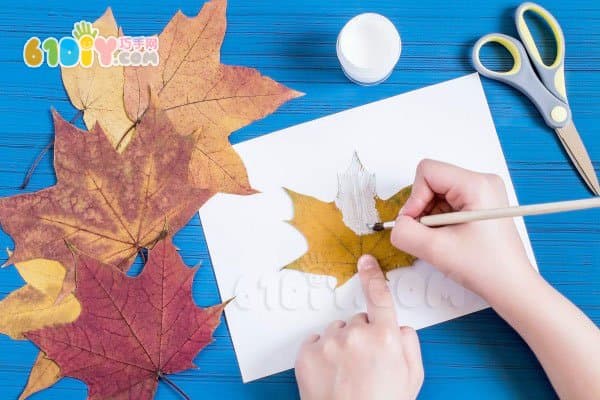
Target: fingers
380 305
436 177
412 347
311 339
359 319
411 236
334 327
412 355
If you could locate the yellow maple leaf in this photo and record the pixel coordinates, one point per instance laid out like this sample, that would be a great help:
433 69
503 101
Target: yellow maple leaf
44 374
333 248
35 305
97 91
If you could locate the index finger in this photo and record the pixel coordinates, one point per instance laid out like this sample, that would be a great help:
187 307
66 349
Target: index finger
380 304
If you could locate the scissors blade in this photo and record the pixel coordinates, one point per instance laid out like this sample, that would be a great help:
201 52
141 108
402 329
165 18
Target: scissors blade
572 143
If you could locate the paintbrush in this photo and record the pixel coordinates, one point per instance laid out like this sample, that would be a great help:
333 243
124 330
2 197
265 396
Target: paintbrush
460 217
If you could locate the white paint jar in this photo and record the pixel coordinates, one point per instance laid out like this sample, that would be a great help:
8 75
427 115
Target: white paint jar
368 48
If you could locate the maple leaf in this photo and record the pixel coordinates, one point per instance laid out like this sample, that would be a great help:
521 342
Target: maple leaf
105 203
131 331
35 305
333 248
202 95
44 374
97 91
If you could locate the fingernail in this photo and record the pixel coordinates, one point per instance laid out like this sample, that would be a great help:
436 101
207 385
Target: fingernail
365 263
401 212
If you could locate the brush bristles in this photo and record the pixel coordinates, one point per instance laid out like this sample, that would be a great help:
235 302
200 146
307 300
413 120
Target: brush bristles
377 227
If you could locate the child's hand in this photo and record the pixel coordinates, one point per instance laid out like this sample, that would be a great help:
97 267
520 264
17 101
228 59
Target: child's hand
488 257
484 256
369 357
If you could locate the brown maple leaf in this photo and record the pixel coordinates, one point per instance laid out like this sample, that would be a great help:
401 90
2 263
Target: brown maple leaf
202 95
333 248
131 331
105 203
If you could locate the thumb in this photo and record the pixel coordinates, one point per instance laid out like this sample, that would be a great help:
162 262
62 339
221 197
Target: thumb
411 236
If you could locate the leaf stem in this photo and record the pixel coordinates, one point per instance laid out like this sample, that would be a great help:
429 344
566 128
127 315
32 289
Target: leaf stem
172 384
41 155
142 254
120 142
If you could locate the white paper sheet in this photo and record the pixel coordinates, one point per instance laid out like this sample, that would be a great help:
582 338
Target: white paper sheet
249 240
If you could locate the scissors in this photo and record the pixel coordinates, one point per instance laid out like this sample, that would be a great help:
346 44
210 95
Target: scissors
546 89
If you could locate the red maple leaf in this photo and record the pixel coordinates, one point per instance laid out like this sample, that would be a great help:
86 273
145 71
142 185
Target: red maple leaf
131 331
105 203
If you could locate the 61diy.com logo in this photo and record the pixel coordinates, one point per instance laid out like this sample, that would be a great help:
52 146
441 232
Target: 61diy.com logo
85 45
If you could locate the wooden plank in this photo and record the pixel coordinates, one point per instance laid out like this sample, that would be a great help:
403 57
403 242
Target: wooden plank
294 42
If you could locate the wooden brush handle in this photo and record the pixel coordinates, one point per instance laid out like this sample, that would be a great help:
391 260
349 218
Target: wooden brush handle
461 217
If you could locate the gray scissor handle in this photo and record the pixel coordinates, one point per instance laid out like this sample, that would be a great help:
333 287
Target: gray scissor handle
553 75
556 113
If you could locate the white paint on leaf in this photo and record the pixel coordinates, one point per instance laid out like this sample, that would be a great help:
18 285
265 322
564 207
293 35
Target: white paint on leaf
356 197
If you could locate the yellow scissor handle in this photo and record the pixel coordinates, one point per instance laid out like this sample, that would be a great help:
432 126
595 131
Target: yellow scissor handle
522 76
510 44
553 75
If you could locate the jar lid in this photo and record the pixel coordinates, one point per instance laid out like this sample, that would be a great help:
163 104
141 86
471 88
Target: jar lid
368 48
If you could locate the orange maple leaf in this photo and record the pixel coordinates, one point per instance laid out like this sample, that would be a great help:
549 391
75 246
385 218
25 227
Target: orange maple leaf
203 96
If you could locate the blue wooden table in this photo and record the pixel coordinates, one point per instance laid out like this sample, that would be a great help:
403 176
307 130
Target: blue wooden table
294 42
